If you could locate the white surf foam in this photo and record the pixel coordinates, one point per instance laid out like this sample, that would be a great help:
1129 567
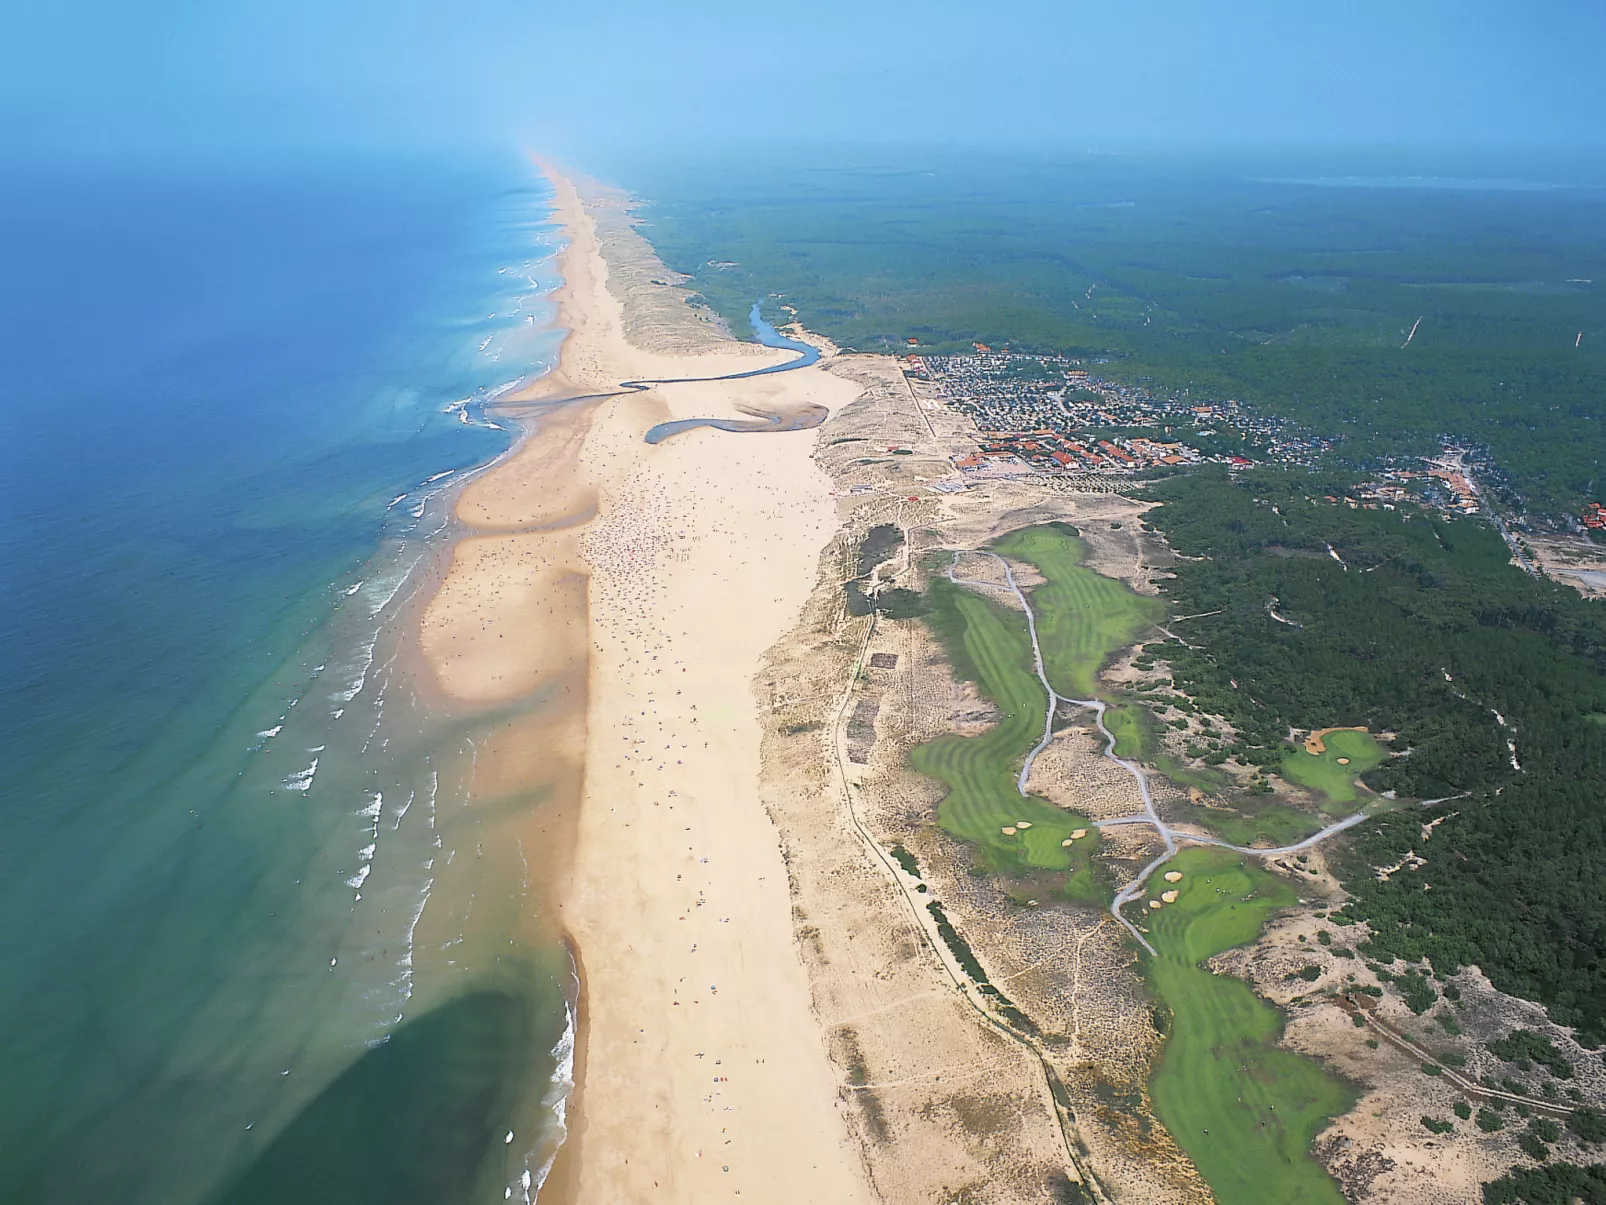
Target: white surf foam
302 781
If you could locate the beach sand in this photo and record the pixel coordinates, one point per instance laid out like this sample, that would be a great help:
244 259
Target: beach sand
645 584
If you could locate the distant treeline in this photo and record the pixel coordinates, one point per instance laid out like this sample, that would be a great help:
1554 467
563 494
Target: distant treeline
1492 680
1292 297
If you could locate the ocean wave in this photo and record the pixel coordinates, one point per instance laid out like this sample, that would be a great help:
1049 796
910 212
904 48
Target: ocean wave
361 877
391 587
302 780
405 979
555 1102
355 684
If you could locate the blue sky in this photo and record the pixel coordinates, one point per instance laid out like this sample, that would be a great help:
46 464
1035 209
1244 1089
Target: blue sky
246 73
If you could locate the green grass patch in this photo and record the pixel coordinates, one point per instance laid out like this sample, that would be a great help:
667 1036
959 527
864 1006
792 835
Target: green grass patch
988 643
1270 824
1208 779
1326 773
1133 729
1244 1110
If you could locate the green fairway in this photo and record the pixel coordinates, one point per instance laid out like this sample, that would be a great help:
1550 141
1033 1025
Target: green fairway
1325 773
1244 1110
988 643
1082 616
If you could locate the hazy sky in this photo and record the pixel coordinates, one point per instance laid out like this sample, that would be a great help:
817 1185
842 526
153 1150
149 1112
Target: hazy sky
593 72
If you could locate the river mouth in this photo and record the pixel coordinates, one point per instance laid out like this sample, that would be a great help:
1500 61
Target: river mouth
800 418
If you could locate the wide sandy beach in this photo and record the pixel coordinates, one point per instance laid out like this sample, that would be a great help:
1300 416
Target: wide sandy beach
643 585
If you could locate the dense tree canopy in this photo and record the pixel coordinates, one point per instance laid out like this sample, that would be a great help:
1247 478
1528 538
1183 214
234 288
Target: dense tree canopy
1491 682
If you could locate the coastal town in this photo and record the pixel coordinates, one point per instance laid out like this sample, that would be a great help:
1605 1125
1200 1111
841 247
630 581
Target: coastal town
1050 418
1050 414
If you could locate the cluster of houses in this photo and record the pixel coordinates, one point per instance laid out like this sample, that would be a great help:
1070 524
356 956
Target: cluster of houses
1047 450
1047 414
1451 481
1442 485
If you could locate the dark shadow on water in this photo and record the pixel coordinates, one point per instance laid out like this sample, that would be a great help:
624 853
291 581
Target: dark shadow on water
417 1121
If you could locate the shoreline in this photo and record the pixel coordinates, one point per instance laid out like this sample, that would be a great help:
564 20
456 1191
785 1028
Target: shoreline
583 557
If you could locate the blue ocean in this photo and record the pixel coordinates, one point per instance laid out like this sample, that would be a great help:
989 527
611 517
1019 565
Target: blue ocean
253 947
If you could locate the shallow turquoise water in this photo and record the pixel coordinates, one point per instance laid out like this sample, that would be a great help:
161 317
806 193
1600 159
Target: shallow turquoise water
251 944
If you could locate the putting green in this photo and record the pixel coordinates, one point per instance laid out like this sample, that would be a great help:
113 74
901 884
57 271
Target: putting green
1132 731
1327 773
1244 1110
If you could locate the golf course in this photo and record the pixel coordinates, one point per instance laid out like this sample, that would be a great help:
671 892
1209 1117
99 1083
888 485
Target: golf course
989 644
1244 1109
1083 618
